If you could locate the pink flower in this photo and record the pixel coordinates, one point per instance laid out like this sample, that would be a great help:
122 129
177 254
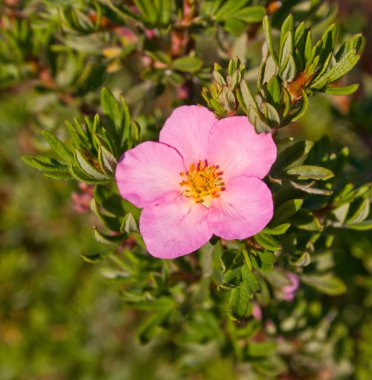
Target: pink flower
289 291
203 177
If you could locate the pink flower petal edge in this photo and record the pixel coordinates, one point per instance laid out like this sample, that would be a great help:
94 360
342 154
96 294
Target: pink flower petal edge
187 129
148 172
239 150
174 229
243 210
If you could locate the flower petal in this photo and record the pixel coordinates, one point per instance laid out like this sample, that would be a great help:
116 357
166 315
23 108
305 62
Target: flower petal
187 130
243 210
174 229
239 150
148 172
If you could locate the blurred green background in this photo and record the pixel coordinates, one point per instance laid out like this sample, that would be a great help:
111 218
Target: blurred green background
60 318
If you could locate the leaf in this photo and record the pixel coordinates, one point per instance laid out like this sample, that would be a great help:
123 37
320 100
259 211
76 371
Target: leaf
247 96
267 242
111 240
111 222
304 106
58 146
286 210
265 260
310 190
360 213
346 63
229 8
325 283
347 90
240 296
292 154
268 37
88 168
45 163
94 258
259 125
288 70
219 78
129 224
304 172
111 107
274 90
188 64
306 220
363 226
251 14
81 176
286 47
107 160
227 99
280 229
271 114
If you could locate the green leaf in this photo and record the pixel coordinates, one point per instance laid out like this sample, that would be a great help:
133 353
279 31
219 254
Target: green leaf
306 220
304 172
325 283
274 91
286 47
310 189
188 64
81 176
88 168
111 108
94 258
229 8
129 224
247 96
363 226
265 260
106 160
304 107
348 90
111 222
219 78
288 70
45 164
240 296
267 242
58 146
280 229
360 213
346 63
111 240
286 210
271 114
292 154
256 120
251 14
227 99
268 37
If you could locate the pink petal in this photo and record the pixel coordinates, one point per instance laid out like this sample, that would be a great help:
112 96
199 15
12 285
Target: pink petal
187 130
243 210
148 172
174 229
239 150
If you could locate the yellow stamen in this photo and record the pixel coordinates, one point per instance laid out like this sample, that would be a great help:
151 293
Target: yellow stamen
202 182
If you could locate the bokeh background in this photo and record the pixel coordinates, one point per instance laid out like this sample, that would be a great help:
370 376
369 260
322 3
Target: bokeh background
60 317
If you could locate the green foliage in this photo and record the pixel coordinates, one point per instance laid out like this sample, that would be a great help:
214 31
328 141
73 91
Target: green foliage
291 301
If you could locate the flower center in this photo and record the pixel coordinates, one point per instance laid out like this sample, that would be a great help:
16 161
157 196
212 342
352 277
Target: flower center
202 182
